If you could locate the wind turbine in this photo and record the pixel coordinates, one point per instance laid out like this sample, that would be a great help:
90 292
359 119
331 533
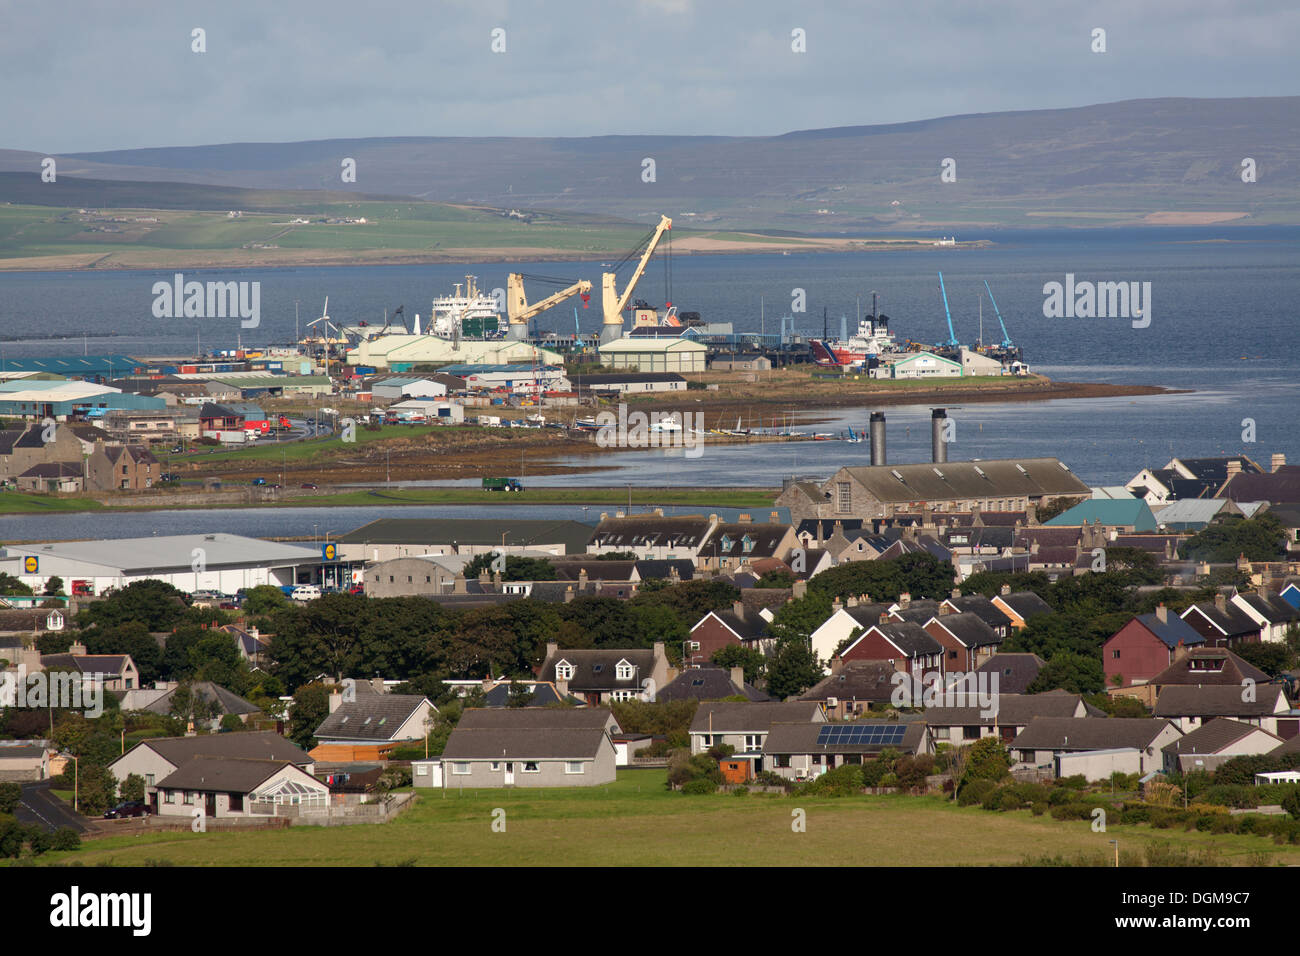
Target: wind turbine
325 336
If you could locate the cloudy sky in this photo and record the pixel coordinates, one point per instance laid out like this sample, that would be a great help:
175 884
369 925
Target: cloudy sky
87 75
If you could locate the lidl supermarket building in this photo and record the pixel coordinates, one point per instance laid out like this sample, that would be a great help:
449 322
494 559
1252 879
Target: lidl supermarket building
189 562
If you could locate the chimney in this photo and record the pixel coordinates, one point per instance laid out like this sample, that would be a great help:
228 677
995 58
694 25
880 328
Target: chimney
659 512
1279 461
837 664
604 515
1031 513
458 584
674 575
582 579
878 438
836 605
738 676
1162 613
713 519
799 589
938 425
488 683
1234 468
1221 601
774 517
77 649
658 647
852 601
738 609
885 618
1004 590
552 649
568 594
905 599
744 519
955 594
335 700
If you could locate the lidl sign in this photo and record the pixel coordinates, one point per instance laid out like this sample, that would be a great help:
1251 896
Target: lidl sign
329 551
31 564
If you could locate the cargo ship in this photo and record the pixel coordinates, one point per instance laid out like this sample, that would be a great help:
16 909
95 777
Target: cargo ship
872 339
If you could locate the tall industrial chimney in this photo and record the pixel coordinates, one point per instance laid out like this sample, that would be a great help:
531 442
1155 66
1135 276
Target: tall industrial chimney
938 425
878 438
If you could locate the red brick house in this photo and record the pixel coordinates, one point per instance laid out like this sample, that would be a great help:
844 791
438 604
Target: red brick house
122 467
905 645
1145 646
1222 623
718 629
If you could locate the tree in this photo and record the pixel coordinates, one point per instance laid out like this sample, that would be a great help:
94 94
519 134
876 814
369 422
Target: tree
311 706
519 695
1272 658
132 788
264 599
986 759
54 585
516 568
1071 672
793 669
1261 538
11 585
738 655
153 603
10 795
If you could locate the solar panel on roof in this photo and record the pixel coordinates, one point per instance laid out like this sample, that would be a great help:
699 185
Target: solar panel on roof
869 736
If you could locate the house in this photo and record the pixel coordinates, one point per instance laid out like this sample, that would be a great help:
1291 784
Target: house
652 536
531 747
236 787
967 640
631 382
1016 671
1048 738
209 702
1184 478
1009 715
22 761
602 675
154 759
1199 666
1281 485
371 726
847 620
879 491
387 538
113 671
539 694
1132 514
710 683
1215 742
1191 705
745 726
852 687
907 646
803 751
998 620
55 477
25 447
1145 646
729 545
122 468
739 627
1274 615
1222 623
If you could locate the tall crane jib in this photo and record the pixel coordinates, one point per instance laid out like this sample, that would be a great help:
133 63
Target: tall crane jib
952 335
519 311
1006 339
612 301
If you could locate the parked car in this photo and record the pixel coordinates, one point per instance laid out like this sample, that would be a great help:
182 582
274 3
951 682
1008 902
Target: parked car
310 485
259 481
306 592
356 589
132 808
275 485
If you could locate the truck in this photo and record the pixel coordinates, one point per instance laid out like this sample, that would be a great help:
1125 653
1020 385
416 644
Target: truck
502 484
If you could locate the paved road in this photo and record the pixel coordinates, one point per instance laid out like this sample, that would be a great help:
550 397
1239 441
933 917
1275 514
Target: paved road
40 806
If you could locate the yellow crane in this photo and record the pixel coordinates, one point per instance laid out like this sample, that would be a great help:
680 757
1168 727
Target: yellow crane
519 311
614 303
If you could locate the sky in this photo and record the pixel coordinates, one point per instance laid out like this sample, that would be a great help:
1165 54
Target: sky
81 76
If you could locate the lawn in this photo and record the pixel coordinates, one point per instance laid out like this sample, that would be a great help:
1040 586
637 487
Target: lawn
635 821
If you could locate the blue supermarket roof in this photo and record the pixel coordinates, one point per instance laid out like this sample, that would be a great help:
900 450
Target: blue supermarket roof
72 364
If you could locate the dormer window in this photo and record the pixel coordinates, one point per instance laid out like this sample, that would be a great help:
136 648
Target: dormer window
747 544
564 671
625 671
726 542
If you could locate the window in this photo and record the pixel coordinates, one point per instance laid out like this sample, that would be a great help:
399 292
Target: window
187 798
625 671
940 733
460 769
148 780
622 695
707 741
753 741
970 733
170 796
531 767
421 770
496 764
574 766
236 803
564 671
695 645
1114 655
844 496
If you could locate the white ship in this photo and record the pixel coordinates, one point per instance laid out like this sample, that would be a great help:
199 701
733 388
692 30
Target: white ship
472 314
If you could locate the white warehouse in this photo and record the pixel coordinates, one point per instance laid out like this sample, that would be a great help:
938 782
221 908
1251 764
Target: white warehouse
189 562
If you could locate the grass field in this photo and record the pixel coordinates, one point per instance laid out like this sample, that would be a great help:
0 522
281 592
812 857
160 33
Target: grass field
635 821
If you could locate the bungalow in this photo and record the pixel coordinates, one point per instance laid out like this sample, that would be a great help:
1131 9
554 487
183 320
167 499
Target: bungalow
907 646
156 758
803 751
1048 738
745 726
371 726
1010 714
113 671
1190 706
601 675
24 760
1016 671
531 747
1145 646
236 787
1200 666
710 683
1215 742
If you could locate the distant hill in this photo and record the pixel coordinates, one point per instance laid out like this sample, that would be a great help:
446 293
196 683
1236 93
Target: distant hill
1138 161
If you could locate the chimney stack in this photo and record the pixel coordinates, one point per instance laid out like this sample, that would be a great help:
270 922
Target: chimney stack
738 609
878 438
1234 468
1162 613
938 425
1004 590
744 519
1221 601
1279 460
774 517
738 676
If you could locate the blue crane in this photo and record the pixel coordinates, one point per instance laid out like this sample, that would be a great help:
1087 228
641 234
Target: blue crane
1006 339
952 336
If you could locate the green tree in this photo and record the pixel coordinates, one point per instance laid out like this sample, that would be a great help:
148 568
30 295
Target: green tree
1261 538
10 794
153 603
54 585
793 669
264 599
11 585
517 568
738 655
1071 672
311 706
1272 658
132 788
986 759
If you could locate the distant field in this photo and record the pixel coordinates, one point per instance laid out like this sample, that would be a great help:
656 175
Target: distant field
635 821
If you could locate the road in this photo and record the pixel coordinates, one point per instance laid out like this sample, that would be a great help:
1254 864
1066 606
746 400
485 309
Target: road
40 806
